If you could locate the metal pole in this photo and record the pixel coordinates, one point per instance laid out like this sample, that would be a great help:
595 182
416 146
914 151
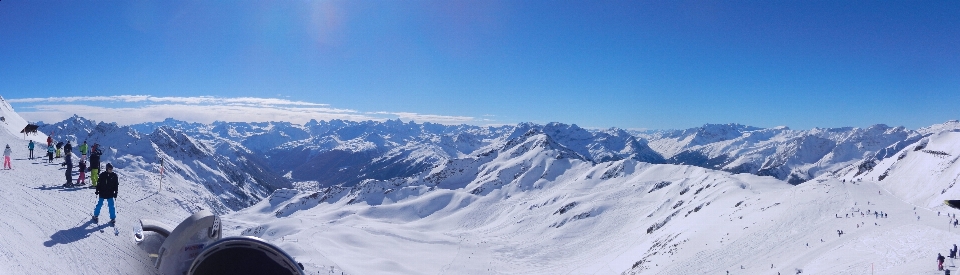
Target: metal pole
161 176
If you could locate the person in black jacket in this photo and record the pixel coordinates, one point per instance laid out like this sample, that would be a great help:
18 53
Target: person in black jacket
67 149
95 164
940 262
107 190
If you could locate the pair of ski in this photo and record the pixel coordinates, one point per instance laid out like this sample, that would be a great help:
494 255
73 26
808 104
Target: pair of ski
116 231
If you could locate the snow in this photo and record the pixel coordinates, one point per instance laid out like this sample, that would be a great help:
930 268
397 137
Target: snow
528 203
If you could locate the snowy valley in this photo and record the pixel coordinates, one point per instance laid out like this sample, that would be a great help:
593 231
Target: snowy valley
392 197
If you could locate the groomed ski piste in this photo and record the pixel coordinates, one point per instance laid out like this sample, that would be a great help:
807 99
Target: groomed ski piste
518 209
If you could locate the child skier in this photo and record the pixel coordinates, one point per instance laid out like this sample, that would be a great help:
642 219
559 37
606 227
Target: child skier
50 151
83 172
6 157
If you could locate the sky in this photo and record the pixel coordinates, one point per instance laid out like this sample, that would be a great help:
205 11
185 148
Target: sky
597 64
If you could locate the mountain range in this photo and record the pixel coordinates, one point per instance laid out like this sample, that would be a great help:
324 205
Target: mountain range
398 197
272 155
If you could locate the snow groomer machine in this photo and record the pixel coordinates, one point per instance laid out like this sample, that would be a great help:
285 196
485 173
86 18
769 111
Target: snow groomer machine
196 247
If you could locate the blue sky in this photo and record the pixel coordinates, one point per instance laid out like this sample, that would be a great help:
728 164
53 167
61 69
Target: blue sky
626 64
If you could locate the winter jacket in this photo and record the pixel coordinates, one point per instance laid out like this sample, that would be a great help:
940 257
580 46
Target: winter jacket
67 148
83 167
6 152
50 149
107 185
30 146
83 149
49 141
59 145
95 159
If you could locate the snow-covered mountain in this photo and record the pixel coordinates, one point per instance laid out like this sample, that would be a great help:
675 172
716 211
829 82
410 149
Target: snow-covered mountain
233 176
530 205
346 152
524 199
792 155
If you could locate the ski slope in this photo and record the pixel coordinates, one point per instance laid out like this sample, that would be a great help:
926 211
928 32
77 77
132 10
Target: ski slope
527 206
552 215
46 228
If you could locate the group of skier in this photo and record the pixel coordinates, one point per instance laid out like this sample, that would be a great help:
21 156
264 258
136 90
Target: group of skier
106 183
94 153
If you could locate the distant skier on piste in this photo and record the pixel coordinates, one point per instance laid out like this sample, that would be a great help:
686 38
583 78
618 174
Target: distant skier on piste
67 150
83 172
68 173
940 259
59 145
107 190
83 150
30 146
50 151
95 163
6 157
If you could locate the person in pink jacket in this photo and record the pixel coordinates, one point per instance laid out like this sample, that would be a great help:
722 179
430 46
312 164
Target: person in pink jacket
6 157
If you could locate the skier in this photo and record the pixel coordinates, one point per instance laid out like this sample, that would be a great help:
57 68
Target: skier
30 146
95 164
68 173
68 150
107 190
50 151
59 145
83 172
6 157
940 262
83 150
49 141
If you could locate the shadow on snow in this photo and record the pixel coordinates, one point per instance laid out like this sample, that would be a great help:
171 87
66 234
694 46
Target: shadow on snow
73 234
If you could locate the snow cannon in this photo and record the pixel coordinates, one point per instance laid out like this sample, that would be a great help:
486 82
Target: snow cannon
195 247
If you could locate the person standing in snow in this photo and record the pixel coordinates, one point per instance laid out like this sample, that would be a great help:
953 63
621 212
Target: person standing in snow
50 151
67 150
940 259
95 163
30 146
59 145
83 172
49 141
83 151
6 157
68 173
107 190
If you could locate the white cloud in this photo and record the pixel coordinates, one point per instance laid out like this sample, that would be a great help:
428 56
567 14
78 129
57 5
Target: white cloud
183 100
434 118
132 109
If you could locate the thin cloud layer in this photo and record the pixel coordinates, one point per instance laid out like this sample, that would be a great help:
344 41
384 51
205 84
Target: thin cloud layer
182 100
133 109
